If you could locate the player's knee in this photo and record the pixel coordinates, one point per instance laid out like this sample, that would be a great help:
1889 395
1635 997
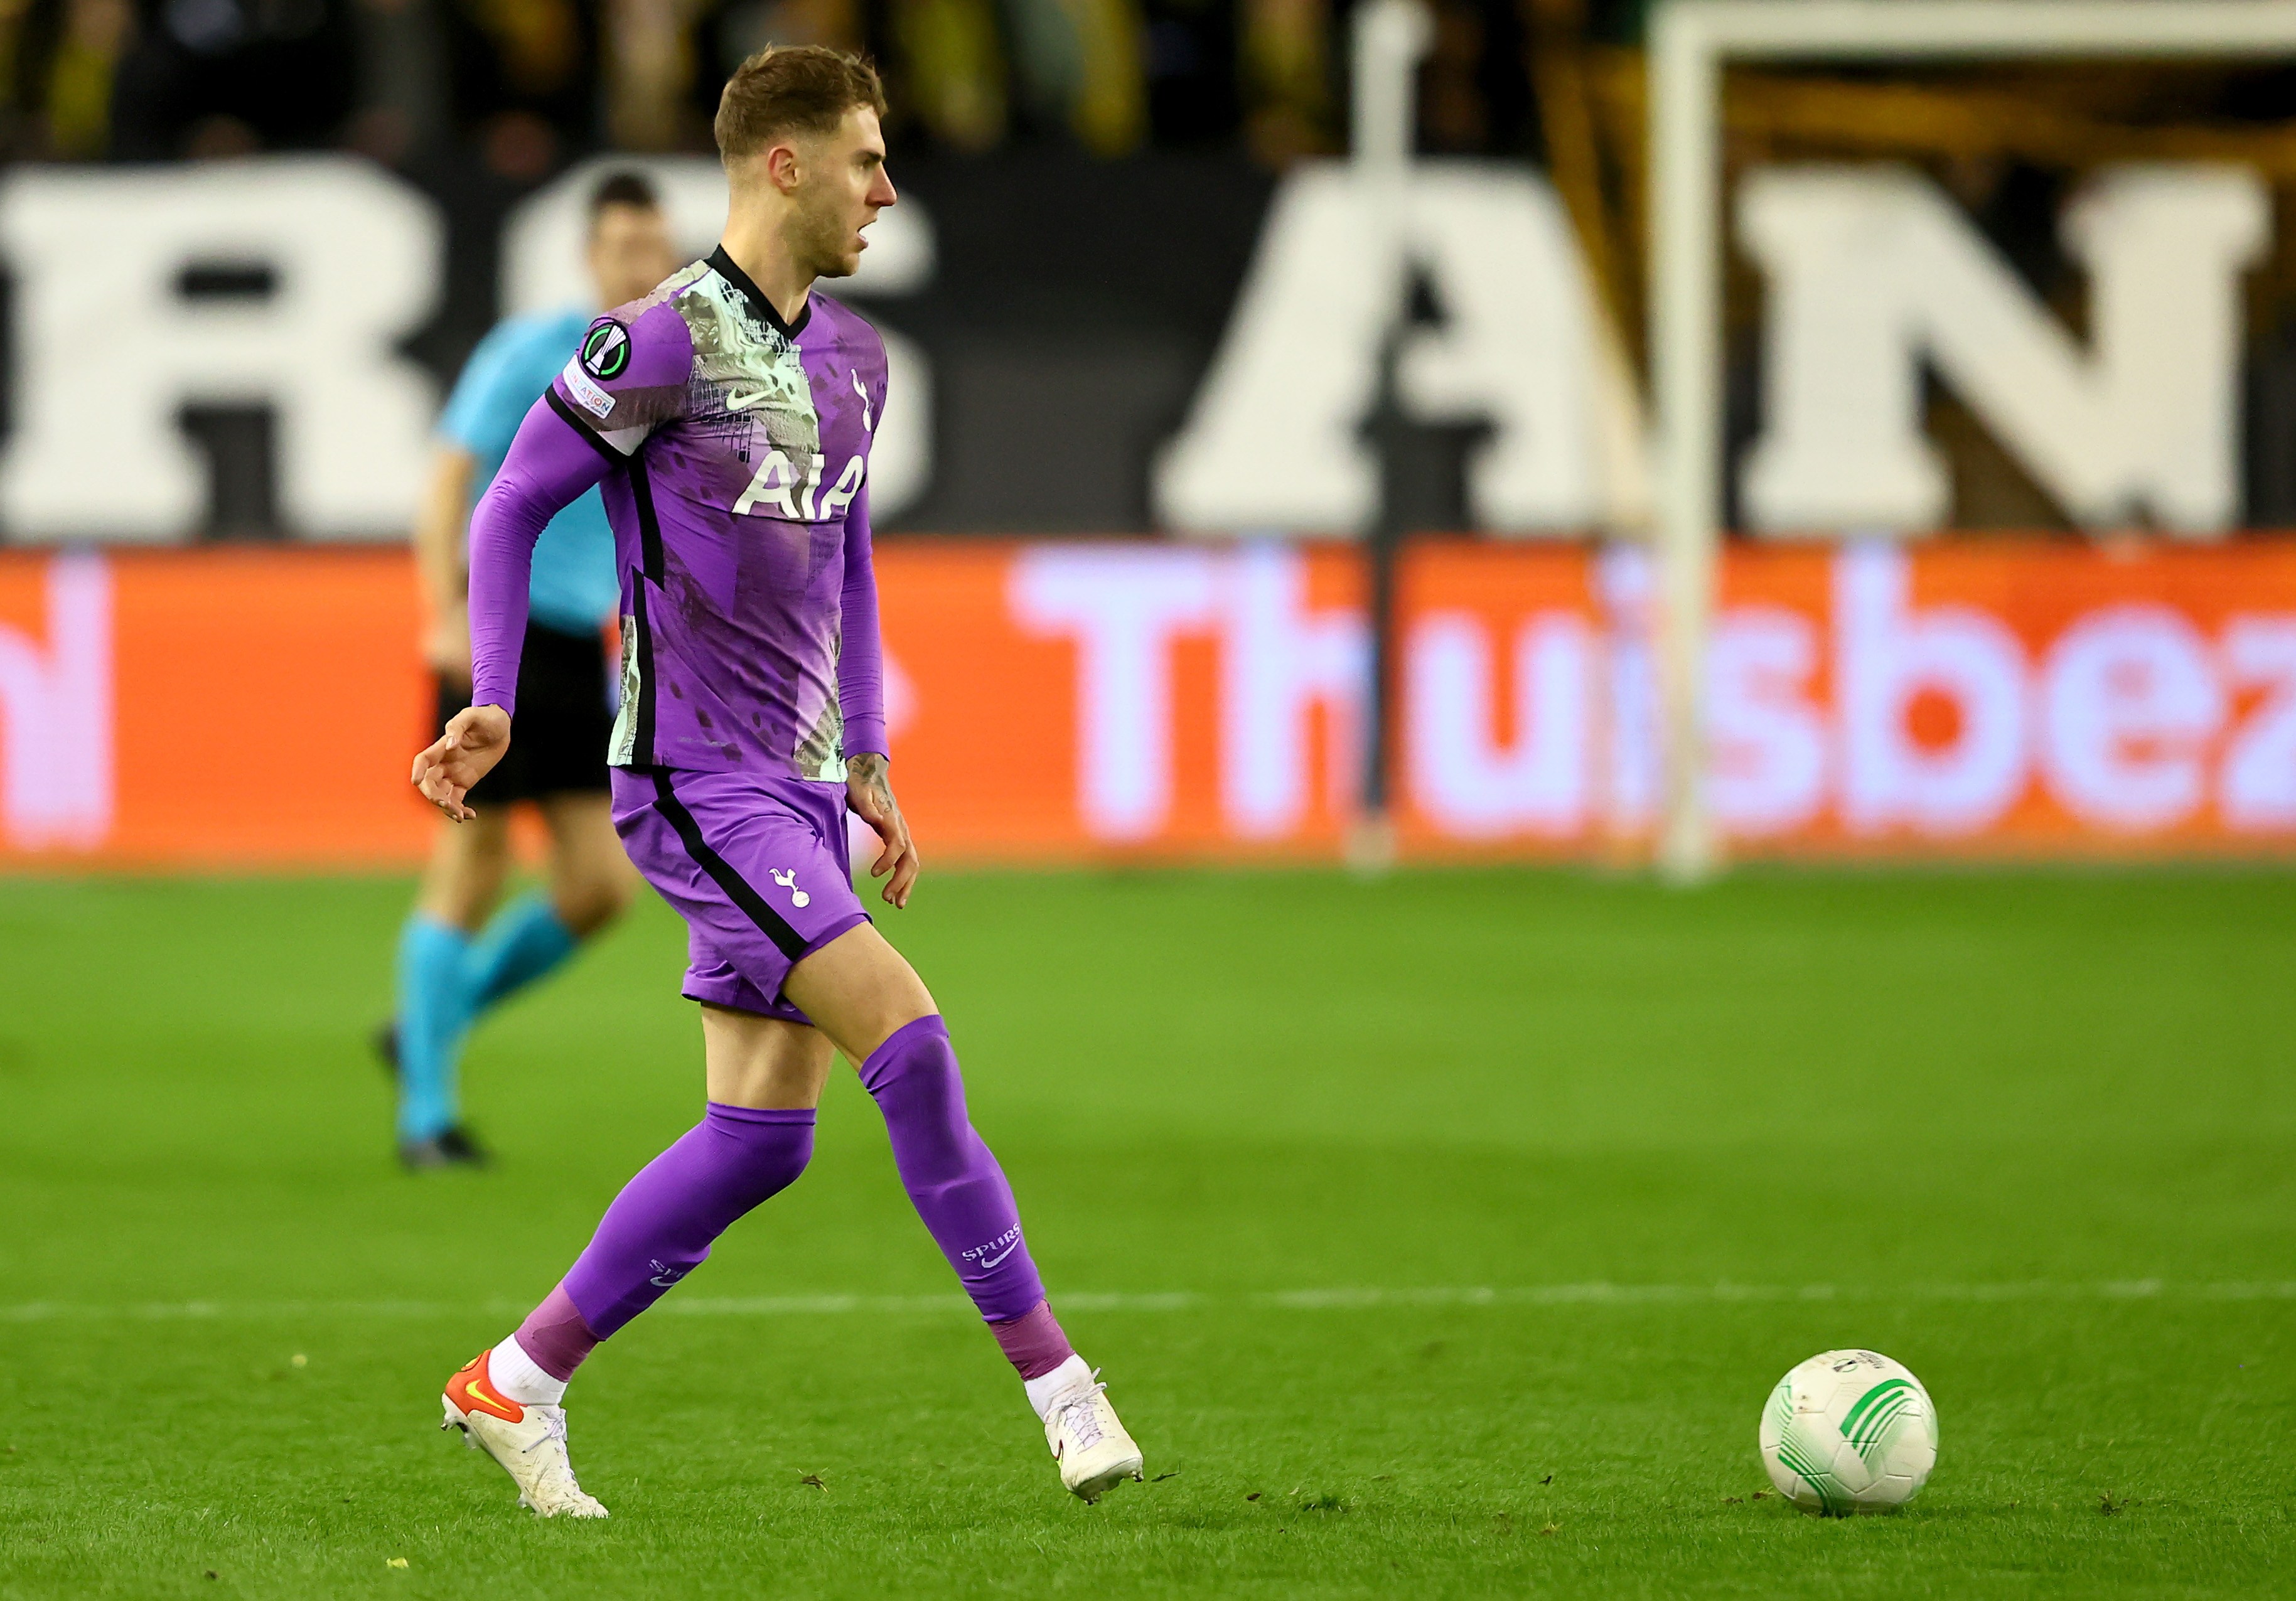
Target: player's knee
917 1086
587 904
771 1169
765 1151
917 1059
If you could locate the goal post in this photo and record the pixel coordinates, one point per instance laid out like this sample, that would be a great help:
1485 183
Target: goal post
1692 41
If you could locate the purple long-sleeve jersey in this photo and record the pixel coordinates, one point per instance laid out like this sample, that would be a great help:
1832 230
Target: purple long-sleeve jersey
732 451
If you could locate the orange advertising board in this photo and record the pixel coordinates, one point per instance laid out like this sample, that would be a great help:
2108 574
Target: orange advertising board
2034 699
1063 701
228 707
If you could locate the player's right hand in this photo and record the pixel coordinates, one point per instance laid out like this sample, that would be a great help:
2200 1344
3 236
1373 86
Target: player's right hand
463 755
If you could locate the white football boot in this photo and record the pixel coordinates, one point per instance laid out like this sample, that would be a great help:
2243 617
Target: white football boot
1089 1442
529 1440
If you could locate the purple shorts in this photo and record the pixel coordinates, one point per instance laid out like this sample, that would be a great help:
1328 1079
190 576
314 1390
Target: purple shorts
758 869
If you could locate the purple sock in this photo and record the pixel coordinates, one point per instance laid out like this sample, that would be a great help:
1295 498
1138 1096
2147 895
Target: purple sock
1033 1343
953 1182
555 1336
660 1229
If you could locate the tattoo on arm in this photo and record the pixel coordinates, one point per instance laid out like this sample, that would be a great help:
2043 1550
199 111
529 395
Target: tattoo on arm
868 768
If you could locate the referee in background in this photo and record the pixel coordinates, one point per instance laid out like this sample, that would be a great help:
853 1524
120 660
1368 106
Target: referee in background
458 956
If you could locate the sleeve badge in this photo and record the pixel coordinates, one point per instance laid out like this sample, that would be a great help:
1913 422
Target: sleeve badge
606 352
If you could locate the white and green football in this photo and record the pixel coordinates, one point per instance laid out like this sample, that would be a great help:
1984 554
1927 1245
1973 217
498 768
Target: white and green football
1849 1431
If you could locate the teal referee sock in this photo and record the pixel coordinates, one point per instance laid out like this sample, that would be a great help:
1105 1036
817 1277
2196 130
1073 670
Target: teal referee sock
433 1015
523 941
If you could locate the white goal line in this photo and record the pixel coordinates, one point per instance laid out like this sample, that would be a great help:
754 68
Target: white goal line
1344 1298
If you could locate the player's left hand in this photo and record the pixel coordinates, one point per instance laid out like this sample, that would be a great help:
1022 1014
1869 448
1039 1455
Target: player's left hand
869 790
465 754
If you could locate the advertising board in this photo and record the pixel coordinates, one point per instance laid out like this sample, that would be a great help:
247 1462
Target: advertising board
1063 702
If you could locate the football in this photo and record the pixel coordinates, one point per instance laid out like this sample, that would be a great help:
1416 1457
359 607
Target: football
1849 1431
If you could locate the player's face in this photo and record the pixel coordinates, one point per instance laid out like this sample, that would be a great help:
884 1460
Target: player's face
843 188
630 252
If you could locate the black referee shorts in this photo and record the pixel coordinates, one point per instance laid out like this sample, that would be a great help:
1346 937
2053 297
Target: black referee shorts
558 739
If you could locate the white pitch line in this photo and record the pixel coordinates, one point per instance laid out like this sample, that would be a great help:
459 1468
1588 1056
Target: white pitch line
1341 1299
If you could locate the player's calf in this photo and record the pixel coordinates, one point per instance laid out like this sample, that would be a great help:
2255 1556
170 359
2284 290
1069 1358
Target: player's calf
659 1228
965 1202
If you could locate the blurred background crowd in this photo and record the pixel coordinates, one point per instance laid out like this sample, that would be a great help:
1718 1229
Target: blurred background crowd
528 84
1157 130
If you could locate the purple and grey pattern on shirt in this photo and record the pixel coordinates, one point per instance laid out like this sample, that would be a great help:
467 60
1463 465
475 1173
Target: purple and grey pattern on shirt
732 452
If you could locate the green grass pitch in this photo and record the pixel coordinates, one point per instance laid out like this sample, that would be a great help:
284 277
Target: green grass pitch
1440 1237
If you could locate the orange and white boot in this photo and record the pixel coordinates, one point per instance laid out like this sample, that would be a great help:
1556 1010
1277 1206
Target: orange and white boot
1094 1452
529 1440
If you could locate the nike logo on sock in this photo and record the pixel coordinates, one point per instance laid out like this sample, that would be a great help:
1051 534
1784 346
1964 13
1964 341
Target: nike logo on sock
978 1256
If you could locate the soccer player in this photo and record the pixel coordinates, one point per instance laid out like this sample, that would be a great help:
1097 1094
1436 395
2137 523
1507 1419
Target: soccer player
728 416
453 963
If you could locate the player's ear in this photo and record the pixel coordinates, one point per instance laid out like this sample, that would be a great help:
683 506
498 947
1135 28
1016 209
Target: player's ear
784 165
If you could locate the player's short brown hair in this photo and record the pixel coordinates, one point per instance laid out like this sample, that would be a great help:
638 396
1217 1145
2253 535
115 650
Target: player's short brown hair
792 88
